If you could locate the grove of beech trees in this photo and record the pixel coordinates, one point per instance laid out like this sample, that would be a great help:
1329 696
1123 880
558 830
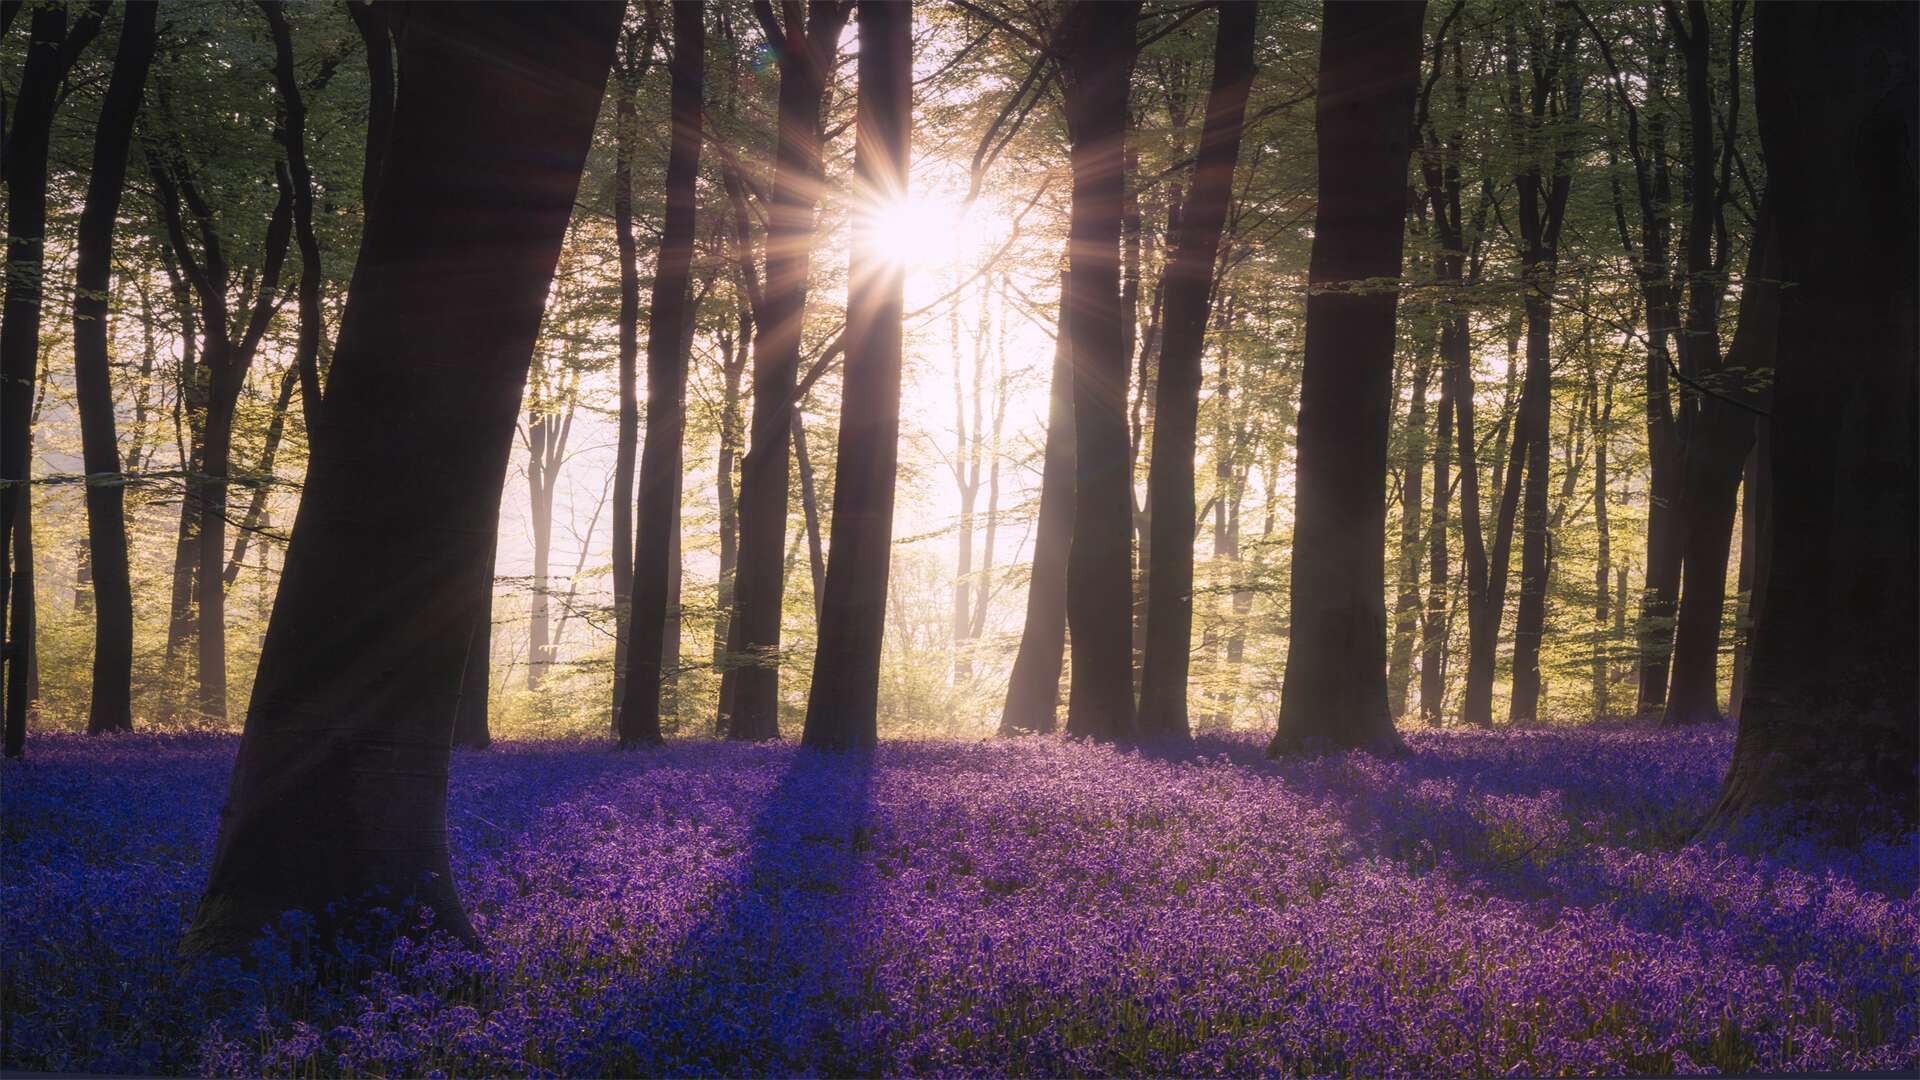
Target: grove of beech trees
384 377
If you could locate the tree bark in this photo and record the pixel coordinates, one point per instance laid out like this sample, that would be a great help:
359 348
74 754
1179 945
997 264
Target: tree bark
842 704
1335 688
805 55
1407 599
1188 289
667 344
470 728
339 791
111 705
1827 729
1098 52
1033 688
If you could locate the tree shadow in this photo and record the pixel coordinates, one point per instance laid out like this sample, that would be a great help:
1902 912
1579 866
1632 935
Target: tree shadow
770 980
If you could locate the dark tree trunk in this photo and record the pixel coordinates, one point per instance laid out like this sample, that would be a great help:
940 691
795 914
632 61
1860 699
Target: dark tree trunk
1098 51
627 433
1827 728
805 54
52 48
1550 90
1487 565
339 792
1717 449
1188 291
1033 689
733 366
841 706
667 344
1602 416
111 707
1335 688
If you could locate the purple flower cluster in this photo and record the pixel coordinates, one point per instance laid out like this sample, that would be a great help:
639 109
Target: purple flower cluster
1488 904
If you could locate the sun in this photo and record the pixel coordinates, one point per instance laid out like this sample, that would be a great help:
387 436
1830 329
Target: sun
914 233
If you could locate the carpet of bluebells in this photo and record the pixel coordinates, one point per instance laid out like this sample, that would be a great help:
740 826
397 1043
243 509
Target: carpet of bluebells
1488 904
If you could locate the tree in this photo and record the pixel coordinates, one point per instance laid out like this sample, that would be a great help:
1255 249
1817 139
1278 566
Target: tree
1033 689
339 789
1538 106
1097 49
843 702
636 52
1336 686
1188 293
668 323
52 48
805 51
111 705
1827 727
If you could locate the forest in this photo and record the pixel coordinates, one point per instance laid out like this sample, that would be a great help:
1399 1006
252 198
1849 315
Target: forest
989 537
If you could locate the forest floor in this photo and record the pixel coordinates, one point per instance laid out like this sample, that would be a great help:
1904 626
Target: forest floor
1489 903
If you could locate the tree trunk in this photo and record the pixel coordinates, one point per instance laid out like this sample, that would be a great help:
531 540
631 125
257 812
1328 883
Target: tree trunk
111 706
1335 689
1532 476
627 432
1756 539
667 344
1407 601
1433 619
339 791
806 56
842 704
52 48
1716 452
733 366
1188 291
1827 728
1098 50
1033 688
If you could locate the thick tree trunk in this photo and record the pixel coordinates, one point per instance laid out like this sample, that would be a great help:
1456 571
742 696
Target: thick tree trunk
1827 729
667 344
1098 47
1335 688
1033 689
842 704
339 792
111 706
806 56
1188 291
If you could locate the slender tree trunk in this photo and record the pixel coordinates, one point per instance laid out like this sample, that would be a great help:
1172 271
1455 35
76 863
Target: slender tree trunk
111 706
667 344
809 510
1713 461
1531 474
1433 619
1098 47
1756 539
1188 293
1335 689
1407 600
1033 688
733 367
842 704
1603 544
339 791
627 434
805 56
52 48
1827 727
